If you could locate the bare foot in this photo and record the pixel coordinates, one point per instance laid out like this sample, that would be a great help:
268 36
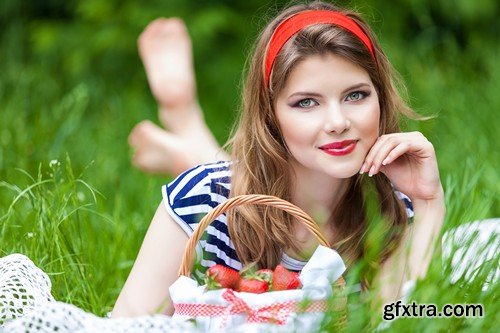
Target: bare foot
160 152
156 150
165 50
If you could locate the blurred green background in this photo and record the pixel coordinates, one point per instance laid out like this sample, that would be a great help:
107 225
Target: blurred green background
71 79
72 87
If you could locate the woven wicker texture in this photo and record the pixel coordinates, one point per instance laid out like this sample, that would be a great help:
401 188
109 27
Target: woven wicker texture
339 305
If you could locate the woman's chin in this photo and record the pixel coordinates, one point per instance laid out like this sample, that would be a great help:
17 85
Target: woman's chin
341 172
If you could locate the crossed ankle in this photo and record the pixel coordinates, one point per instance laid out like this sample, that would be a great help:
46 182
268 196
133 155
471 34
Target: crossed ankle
179 118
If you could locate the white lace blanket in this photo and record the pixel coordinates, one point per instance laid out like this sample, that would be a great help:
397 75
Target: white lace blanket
27 306
25 295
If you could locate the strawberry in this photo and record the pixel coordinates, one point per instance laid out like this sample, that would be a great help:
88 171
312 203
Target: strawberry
220 276
255 286
265 274
283 279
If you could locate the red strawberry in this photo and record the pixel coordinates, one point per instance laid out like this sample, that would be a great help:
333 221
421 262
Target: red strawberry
253 286
283 279
265 274
220 276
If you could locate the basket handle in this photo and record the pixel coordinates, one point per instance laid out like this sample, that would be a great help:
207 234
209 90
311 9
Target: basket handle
258 199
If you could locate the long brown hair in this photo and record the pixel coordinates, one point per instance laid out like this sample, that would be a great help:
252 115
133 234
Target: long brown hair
260 156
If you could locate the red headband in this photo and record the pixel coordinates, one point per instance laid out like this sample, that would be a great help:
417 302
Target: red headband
301 20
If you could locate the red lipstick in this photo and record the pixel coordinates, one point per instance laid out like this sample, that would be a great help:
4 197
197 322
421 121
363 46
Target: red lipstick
339 148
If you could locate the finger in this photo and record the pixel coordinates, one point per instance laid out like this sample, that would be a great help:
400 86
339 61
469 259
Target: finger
367 163
374 151
398 151
393 139
415 144
393 155
385 152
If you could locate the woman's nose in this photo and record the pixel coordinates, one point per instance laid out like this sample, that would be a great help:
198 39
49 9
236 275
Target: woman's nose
335 120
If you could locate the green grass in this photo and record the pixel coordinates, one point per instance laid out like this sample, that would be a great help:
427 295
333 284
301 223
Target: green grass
82 219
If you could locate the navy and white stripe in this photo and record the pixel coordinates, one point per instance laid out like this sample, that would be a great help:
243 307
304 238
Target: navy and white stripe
196 192
407 202
191 196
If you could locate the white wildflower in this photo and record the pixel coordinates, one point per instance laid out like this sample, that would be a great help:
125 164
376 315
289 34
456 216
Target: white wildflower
54 163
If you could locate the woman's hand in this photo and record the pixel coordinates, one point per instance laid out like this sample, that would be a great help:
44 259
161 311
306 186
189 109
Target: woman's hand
409 161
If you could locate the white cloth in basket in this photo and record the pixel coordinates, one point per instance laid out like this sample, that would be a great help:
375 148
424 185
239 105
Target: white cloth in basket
317 277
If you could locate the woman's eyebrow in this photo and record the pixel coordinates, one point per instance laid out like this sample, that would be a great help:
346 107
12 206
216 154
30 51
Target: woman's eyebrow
305 93
356 86
313 94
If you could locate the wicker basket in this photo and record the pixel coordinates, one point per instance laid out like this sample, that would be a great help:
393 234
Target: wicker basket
339 306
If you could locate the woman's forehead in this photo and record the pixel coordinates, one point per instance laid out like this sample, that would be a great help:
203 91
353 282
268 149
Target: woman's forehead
324 72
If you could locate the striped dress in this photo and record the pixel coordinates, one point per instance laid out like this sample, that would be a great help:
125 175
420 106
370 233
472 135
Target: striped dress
196 192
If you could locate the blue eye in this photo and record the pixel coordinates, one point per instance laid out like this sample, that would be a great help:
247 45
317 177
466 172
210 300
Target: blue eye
356 96
305 103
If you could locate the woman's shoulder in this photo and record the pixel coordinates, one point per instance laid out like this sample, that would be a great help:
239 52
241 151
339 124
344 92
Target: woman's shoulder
210 181
192 195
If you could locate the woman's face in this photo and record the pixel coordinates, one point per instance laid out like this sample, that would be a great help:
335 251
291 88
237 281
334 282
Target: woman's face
329 115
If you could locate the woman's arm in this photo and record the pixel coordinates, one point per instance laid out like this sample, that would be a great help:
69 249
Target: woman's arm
429 218
155 269
411 259
410 163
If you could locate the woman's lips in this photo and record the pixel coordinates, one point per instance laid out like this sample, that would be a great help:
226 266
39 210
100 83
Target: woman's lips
339 148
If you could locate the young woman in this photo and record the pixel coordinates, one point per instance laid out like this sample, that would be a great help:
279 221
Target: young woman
320 113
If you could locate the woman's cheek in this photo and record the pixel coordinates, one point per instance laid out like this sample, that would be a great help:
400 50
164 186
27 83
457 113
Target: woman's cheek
373 127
